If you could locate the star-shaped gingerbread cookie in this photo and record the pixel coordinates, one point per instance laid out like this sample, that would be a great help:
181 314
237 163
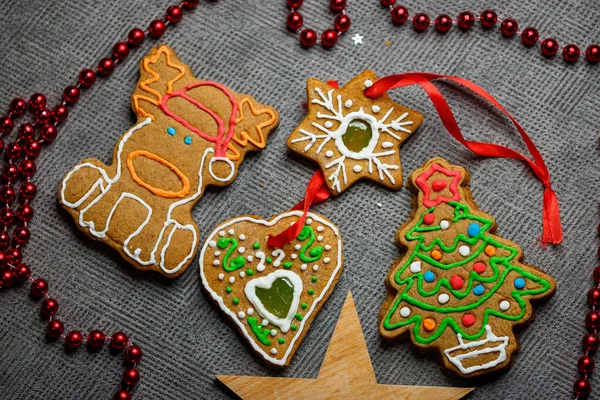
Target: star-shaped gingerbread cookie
351 136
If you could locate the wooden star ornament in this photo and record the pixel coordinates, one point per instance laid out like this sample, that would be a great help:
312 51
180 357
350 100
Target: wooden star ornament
352 136
346 373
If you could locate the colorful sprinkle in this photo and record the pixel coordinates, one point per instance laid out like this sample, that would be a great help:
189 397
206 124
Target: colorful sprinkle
457 282
293 327
519 283
429 276
250 272
428 218
490 250
256 245
473 230
443 298
436 255
468 319
236 301
429 324
304 305
314 279
415 267
171 131
187 140
504 305
438 185
404 312
281 340
464 251
479 267
228 289
287 264
478 290
269 260
444 224
311 291
298 317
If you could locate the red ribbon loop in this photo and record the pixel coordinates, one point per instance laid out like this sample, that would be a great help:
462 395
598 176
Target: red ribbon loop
552 228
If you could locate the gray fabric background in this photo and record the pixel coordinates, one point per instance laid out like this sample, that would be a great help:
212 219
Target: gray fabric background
243 44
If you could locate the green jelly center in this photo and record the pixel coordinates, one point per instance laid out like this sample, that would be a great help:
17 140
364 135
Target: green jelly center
278 298
357 135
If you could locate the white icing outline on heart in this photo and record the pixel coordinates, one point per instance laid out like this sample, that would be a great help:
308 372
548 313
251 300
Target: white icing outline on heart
252 340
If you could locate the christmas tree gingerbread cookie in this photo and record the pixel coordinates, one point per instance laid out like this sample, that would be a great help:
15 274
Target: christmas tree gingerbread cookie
190 133
459 289
352 136
271 294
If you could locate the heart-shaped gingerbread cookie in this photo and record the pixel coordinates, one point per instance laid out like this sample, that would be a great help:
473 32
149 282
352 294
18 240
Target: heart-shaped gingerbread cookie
272 294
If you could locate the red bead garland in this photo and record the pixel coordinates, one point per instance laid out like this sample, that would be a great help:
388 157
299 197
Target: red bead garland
309 37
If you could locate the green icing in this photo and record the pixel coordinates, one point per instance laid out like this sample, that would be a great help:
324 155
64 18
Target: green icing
298 317
311 291
228 289
358 135
236 301
256 245
314 279
238 262
250 272
313 254
269 260
304 305
260 333
281 340
278 298
293 327
287 264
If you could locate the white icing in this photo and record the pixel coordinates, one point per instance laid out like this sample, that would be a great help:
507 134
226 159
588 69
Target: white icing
226 161
273 351
242 237
326 260
222 233
357 168
303 267
242 274
490 338
315 267
348 103
309 221
387 145
368 83
216 262
231 232
320 238
231 279
328 124
212 244
404 312
320 228
250 311
249 258
241 250
443 298
280 255
504 305
265 282
221 277
444 224
376 108
241 315
329 153
217 253
327 247
464 250
298 246
273 332
265 322
415 267
293 256
262 257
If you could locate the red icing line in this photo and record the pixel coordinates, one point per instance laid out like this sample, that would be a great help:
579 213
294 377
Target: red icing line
422 182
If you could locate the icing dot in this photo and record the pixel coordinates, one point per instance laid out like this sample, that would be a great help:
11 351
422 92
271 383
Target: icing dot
436 255
444 224
404 312
320 229
273 332
519 283
429 276
242 249
468 319
438 185
326 260
217 253
212 243
222 233
428 218
329 153
171 131
265 322
504 305
429 324
231 279
309 221
457 282
273 351
479 267
443 298
368 83
303 267
216 262
231 232
228 289
357 168
242 274
241 315
473 230
256 246
315 267
250 311
478 290
348 103
328 124
297 247
490 250
294 256
464 250
249 258
242 237
221 277
415 267
187 140
387 145
376 108
320 238
327 247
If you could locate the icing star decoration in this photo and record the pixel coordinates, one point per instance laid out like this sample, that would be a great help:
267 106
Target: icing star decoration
346 373
352 136
358 39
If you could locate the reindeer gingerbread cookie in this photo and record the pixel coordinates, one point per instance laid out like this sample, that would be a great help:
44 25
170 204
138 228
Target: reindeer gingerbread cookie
190 134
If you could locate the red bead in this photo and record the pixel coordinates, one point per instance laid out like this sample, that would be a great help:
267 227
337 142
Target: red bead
157 28
7 194
131 377
571 53
42 117
585 364
122 395
6 216
592 54
96 339
6 279
295 3
73 340
27 190
60 113
1 145
39 287
106 66
190 4
443 23
21 235
27 168
488 19
387 3
596 274
13 150
22 272
87 77
174 14
18 106
135 37
582 387
14 255
457 282
133 354
308 37
399 14
120 51
342 23
26 131
466 20
549 47
294 21
592 320
509 27
24 212
32 148
49 307
329 38
71 94
37 101
2 256
55 328
529 36
420 22
118 340
593 296
337 5
6 125
48 133
10 172
4 240
591 342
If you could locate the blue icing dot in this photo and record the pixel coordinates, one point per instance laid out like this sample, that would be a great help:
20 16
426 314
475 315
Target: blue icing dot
473 230
187 140
171 131
478 290
429 276
519 283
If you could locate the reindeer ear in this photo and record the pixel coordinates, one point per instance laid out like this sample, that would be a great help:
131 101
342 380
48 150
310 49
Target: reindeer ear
160 71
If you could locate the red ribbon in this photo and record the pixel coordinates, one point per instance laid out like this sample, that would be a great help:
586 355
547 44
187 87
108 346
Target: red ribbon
552 228
316 192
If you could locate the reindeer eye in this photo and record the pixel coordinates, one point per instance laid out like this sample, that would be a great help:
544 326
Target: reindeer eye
171 131
187 140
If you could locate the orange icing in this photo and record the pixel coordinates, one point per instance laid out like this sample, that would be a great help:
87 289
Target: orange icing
244 137
490 250
157 191
429 324
436 255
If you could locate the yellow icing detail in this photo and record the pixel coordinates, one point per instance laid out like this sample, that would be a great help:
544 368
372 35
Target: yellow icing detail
157 191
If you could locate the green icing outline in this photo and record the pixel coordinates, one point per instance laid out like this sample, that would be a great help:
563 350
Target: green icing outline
238 262
315 253
260 333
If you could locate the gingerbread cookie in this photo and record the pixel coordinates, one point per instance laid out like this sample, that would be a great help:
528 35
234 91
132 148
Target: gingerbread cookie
352 136
459 289
272 294
189 134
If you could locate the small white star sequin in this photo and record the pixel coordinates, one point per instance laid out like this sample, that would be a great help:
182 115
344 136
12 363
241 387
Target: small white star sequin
358 39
